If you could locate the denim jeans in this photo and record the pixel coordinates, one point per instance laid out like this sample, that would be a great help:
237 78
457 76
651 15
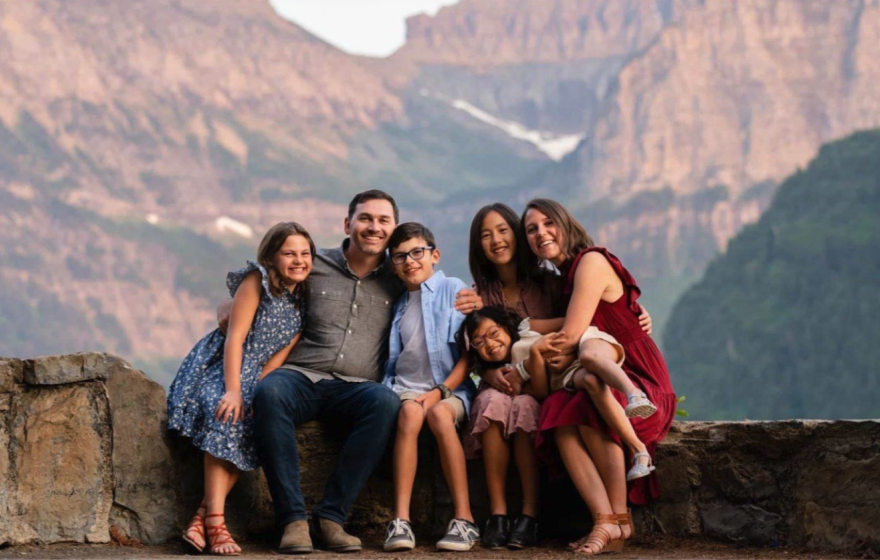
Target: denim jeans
287 398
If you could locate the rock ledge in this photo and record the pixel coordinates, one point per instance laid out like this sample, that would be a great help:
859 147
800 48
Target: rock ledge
84 452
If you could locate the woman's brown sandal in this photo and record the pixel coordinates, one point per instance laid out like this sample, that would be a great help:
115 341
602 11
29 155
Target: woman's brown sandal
626 519
622 519
218 535
197 527
600 541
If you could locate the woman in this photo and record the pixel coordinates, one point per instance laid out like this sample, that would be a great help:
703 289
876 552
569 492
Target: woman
602 293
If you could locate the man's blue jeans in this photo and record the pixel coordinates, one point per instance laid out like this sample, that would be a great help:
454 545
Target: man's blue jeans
287 398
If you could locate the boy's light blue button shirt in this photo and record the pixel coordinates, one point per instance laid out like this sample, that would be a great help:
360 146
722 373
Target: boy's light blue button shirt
442 321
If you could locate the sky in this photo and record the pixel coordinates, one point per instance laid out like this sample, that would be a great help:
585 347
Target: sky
367 27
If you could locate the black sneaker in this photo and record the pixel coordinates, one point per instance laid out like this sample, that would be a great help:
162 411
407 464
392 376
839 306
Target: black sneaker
461 536
399 536
524 532
495 533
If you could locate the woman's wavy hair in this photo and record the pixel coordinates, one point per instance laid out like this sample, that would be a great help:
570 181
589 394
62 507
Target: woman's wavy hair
271 244
483 271
504 318
574 237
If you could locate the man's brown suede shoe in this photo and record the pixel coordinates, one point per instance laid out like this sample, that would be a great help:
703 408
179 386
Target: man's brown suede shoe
296 539
335 538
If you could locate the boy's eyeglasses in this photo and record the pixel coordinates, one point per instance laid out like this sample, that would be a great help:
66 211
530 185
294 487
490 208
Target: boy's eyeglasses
416 254
480 341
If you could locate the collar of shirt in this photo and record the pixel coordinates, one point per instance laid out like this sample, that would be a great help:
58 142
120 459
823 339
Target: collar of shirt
431 283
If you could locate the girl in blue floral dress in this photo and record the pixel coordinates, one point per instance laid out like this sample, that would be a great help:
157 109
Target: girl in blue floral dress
210 398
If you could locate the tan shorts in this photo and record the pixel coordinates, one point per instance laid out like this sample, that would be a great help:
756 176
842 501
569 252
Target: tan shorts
591 333
453 401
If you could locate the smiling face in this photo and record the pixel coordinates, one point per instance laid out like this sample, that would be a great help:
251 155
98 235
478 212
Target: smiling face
370 226
415 272
497 239
293 261
545 236
491 341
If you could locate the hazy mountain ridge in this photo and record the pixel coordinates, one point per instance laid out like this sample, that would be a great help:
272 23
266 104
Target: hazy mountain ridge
149 121
182 112
714 102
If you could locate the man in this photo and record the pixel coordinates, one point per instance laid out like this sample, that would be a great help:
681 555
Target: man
334 371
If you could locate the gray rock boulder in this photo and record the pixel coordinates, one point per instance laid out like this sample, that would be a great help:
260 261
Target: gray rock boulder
72 368
10 374
60 471
145 498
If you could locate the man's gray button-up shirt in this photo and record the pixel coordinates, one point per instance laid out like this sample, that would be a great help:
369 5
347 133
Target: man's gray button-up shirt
347 320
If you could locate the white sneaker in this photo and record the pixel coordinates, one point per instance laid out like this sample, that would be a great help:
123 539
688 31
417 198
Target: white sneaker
461 536
399 536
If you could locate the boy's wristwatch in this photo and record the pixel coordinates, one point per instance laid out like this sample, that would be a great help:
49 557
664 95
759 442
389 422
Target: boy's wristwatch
445 392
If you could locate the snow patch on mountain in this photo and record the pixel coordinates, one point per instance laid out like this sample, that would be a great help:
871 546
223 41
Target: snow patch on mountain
226 224
556 146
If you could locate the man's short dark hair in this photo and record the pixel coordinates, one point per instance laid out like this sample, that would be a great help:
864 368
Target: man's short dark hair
407 231
373 194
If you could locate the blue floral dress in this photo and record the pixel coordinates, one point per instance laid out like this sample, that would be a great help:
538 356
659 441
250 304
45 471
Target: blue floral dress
199 385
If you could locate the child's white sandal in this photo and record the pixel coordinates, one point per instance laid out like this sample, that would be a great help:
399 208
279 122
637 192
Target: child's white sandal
639 470
638 406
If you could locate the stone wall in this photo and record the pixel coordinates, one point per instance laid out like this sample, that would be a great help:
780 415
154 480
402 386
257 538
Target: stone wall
802 482
83 448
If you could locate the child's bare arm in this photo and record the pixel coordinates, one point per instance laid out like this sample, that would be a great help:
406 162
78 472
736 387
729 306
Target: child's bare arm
458 374
278 359
537 366
244 308
537 386
546 326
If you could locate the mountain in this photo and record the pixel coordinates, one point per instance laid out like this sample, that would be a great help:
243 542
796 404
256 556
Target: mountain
688 114
144 146
783 325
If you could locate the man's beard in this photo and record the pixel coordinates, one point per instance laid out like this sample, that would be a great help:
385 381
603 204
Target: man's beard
369 249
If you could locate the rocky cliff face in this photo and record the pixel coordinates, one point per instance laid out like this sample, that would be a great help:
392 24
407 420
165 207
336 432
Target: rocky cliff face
688 113
486 33
734 94
131 135
546 65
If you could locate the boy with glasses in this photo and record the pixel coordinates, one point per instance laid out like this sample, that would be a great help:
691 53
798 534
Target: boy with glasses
426 369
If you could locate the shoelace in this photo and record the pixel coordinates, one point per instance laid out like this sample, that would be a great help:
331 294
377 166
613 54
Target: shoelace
398 527
460 528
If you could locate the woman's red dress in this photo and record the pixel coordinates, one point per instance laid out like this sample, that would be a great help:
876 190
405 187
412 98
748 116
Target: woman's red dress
644 365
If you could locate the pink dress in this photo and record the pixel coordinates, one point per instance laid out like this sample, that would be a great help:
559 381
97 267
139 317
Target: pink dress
644 365
520 412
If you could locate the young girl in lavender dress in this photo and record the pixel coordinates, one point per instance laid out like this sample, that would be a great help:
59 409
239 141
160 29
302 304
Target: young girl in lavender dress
210 398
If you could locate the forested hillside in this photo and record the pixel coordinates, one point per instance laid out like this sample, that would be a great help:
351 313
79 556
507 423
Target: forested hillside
785 324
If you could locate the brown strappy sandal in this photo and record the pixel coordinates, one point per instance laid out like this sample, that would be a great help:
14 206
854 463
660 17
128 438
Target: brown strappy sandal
601 538
197 525
627 519
622 519
218 535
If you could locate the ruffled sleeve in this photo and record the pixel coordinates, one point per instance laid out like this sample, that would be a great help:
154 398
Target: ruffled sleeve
630 288
235 278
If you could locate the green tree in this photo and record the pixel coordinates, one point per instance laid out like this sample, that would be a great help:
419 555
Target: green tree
785 323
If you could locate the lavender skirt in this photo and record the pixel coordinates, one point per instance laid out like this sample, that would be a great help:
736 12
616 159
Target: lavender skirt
518 413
